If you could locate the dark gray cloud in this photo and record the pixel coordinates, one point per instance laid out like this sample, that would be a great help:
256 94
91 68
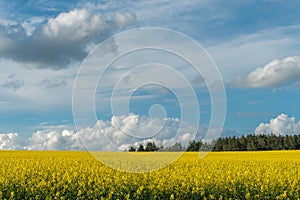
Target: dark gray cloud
61 40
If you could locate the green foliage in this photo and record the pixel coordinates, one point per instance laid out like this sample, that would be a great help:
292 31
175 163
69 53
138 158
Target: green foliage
194 146
131 149
258 143
141 148
151 146
244 143
175 147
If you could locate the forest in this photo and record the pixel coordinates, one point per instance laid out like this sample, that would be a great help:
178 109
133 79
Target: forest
250 142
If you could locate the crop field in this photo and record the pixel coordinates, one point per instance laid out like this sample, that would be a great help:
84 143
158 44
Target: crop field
219 175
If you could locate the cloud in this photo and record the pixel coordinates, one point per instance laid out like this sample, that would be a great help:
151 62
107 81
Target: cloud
63 140
275 74
52 83
281 125
117 134
12 83
127 130
31 24
10 141
123 19
184 139
60 41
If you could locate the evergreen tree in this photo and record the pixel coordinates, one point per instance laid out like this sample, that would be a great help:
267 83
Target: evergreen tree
141 148
194 146
150 146
175 147
131 149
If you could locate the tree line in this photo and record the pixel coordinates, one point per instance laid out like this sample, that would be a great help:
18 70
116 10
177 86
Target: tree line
257 143
250 142
150 146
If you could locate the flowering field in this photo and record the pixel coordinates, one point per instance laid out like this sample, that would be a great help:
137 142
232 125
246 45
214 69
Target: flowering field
78 175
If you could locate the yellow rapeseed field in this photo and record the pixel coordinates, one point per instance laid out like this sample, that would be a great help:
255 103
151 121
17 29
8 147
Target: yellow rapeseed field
78 175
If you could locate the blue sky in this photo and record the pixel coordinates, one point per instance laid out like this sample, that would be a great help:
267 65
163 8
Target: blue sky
254 44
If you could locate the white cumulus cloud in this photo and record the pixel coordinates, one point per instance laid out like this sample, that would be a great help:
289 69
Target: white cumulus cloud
281 125
117 134
274 74
75 25
11 141
131 130
45 140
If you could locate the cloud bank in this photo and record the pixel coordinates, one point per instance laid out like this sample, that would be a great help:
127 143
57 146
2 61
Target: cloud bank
281 125
61 40
274 74
117 134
